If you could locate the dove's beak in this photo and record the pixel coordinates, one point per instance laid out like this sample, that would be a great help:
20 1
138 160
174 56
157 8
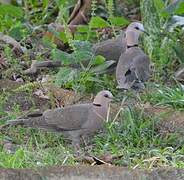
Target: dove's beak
146 32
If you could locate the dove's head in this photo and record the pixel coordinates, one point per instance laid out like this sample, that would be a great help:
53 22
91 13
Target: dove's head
133 32
103 98
135 26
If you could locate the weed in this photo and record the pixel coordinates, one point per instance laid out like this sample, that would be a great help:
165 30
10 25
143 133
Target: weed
167 96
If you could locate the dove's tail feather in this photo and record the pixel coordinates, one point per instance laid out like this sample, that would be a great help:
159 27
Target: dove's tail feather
30 122
16 122
36 122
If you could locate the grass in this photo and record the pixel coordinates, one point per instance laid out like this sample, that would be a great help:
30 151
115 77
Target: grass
133 136
167 96
35 148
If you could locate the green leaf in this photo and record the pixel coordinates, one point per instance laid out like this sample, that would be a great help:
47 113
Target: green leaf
118 21
159 5
100 69
82 45
7 9
83 33
98 22
16 33
64 75
173 7
45 4
98 60
180 9
62 36
93 79
62 56
81 56
83 28
83 51
61 2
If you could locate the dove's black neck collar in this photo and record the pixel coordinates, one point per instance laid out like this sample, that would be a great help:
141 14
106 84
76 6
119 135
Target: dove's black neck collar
130 46
97 104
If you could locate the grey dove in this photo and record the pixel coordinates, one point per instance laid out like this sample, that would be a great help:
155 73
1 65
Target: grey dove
112 49
73 121
133 67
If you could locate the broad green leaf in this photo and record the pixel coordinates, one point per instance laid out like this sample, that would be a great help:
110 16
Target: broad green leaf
82 45
83 28
16 33
118 21
180 9
64 75
62 36
45 3
98 22
7 9
93 79
83 33
19 31
172 8
62 56
81 36
102 67
61 2
83 51
98 60
81 56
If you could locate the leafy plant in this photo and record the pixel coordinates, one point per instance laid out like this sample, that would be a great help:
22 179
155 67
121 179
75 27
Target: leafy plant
86 69
161 43
39 12
11 16
168 96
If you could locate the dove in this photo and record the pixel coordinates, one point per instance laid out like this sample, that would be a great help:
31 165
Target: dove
133 67
75 121
112 49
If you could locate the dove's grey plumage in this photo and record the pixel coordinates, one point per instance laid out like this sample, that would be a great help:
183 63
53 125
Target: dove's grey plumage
110 49
73 121
133 67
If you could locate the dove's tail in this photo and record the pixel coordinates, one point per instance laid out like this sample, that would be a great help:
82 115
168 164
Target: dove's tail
36 122
18 122
22 122
30 122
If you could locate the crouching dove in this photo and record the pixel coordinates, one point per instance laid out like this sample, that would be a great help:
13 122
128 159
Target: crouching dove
133 67
73 121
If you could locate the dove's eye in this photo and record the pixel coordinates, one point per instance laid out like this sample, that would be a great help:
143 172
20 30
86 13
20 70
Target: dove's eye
137 28
106 95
